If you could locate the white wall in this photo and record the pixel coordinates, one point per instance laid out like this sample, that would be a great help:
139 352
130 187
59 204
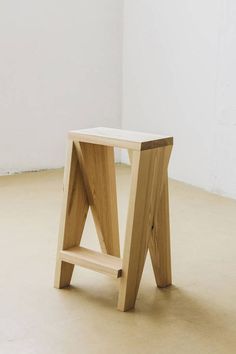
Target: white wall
60 69
180 79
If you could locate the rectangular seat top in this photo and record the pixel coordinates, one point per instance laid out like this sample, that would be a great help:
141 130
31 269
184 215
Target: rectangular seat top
120 138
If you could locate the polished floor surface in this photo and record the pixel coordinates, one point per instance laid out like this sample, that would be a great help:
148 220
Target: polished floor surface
197 315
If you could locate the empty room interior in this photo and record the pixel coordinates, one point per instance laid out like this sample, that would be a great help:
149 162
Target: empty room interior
118 177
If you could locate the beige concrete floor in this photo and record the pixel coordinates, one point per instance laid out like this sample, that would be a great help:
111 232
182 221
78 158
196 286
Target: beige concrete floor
197 315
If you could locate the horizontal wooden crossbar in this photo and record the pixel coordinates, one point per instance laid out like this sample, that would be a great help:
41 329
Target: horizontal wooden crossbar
99 262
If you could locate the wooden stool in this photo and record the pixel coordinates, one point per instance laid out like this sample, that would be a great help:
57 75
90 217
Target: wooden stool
89 180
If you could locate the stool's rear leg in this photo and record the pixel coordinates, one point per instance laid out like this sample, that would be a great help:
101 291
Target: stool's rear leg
159 245
100 181
73 215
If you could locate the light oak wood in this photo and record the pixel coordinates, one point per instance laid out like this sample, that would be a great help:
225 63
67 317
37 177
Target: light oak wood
148 171
90 181
73 215
120 138
98 262
159 245
100 181
130 153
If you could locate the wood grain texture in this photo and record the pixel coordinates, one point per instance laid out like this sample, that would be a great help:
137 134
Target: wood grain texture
98 166
130 153
96 261
159 245
120 138
90 181
73 215
148 174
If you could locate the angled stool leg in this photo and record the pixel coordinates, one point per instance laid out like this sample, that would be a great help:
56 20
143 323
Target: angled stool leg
159 245
98 168
148 170
73 215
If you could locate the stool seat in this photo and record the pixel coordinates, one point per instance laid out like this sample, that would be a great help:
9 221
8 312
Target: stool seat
90 182
121 138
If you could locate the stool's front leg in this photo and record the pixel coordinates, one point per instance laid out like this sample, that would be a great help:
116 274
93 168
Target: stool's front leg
73 215
148 172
